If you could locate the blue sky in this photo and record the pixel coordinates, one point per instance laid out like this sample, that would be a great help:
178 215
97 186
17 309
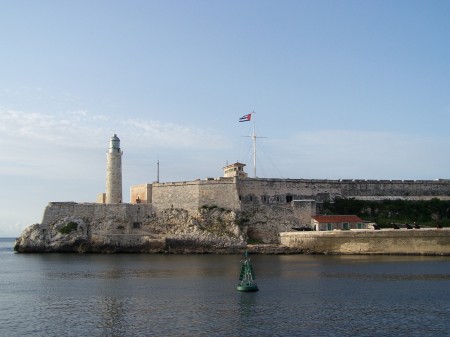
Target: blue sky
341 89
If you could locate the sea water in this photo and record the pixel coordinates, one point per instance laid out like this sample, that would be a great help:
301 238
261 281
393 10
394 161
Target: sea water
195 295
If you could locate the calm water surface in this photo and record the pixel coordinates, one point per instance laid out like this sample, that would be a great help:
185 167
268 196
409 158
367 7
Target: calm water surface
194 295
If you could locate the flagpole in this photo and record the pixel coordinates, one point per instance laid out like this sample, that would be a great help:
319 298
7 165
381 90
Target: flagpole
254 150
247 118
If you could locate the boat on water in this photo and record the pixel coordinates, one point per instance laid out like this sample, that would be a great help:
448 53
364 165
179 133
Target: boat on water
247 276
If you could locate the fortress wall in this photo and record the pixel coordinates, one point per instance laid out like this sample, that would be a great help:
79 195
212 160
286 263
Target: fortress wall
401 188
221 193
276 191
400 197
304 210
91 212
389 241
176 195
281 191
264 222
194 194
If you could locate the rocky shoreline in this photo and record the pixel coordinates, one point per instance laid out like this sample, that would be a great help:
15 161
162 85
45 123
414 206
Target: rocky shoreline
35 240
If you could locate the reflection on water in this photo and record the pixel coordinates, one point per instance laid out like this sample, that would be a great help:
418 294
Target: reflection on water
113 316
194 295
389 277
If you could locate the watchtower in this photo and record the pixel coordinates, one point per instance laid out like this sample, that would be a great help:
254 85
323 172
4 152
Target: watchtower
234 170
114 172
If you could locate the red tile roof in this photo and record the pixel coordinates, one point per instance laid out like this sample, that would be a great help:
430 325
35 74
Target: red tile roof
336 218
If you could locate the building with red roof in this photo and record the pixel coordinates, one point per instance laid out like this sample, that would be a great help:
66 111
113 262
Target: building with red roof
341 222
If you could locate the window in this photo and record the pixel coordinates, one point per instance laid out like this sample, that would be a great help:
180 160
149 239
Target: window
360 226
288 198
329 227
346 226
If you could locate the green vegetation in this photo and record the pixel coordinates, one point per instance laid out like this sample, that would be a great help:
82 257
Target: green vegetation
424 212
208 207
212 207
254 241
69 227
241 222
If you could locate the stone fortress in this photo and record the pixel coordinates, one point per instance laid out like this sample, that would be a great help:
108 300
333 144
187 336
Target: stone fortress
214 213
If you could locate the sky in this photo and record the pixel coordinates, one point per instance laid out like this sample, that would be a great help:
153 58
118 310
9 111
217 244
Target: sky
340 90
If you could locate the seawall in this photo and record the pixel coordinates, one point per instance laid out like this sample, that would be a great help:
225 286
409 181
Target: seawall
386 241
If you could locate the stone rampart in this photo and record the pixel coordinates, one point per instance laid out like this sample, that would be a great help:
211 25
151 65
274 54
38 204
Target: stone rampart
282 191
102 216
388 241
183 195
192 195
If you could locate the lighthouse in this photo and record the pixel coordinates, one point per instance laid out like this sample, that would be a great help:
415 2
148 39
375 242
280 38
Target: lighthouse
114 172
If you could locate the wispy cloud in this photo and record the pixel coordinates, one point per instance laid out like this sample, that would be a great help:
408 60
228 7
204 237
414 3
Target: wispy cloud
169 135
31 140
80 127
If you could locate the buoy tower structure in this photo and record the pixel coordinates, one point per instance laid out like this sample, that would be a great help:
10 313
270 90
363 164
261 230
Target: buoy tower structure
114 172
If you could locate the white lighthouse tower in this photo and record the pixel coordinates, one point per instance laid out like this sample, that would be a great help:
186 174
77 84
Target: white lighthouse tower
114 172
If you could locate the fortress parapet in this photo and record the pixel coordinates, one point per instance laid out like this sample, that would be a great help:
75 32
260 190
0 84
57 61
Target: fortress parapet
282 191
192 195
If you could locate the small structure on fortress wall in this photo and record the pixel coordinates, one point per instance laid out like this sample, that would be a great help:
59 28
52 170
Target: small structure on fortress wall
141 194
101 198
234 170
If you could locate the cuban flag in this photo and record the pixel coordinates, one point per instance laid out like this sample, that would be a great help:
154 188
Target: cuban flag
245 118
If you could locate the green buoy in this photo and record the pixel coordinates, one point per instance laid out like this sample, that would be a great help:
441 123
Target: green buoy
247 276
